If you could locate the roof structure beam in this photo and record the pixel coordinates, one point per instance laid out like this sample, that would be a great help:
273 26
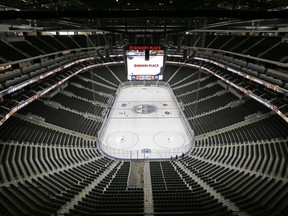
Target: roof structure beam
241 14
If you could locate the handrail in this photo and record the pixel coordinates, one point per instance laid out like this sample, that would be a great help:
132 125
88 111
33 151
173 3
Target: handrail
44 75
247 76
47 55
241 55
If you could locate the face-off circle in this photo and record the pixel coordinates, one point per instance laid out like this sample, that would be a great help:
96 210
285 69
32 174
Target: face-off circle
144 109
122 140
169 139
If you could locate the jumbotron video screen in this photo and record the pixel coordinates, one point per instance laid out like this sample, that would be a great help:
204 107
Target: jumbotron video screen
145 62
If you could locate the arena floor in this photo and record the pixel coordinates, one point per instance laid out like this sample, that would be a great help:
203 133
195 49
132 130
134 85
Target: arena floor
145 122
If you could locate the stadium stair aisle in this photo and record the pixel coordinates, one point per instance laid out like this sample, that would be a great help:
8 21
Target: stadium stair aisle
272 127
112 197
225 202
232 114
193 95
54 127
57 105
52 189
148 191
100 75
16 130
247 164
84 99
175 192
247 121
219 108
95 76
58 159
266 195
100 86
63 118
170 70
188 77
136 174
184 88
74 201
119 71
98 97
217 97
81 106
114 75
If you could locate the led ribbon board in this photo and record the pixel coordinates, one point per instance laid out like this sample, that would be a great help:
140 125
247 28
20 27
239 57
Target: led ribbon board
145 62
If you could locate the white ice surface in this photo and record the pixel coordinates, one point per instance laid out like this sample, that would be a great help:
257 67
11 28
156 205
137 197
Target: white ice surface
128 133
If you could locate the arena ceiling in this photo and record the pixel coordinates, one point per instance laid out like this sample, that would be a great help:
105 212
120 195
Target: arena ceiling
146 16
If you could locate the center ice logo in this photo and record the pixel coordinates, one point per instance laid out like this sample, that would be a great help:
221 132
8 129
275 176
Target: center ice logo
144 109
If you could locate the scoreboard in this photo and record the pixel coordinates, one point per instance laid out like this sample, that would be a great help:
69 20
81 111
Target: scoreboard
145 62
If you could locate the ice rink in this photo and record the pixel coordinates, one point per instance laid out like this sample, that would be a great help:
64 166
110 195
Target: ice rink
145 122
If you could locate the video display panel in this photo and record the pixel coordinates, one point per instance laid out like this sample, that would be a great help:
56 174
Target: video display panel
145 62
